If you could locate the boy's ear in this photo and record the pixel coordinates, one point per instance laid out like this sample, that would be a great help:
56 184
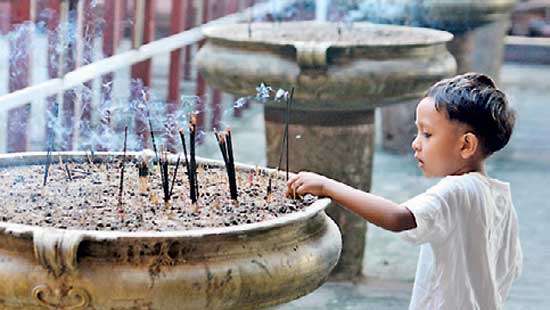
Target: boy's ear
470 144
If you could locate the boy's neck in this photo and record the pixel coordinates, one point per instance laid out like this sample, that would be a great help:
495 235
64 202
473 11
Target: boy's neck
472 166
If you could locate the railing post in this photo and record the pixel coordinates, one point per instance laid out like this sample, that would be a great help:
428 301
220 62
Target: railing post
190 20
201 83
232 6
113 11
69 64
19 73
87 40
218 10
4 17
144 32
54 66
177 24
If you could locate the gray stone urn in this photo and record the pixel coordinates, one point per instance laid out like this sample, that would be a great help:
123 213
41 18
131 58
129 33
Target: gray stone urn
340 74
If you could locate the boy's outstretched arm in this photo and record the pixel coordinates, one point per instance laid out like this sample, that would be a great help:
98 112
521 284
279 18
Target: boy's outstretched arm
375 209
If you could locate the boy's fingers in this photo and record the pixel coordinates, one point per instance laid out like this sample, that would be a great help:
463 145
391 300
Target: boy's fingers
292 180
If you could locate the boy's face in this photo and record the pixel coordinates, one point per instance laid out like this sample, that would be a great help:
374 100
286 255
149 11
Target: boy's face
437 144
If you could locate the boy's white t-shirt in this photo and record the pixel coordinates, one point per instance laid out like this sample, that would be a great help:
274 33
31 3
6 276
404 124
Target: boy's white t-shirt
470 251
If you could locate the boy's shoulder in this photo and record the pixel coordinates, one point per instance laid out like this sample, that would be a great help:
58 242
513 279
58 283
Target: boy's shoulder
466 189
464 183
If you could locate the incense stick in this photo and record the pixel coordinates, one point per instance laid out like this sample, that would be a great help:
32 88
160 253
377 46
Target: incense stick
182 138
51 136
231 160
174 177
288 102
47 168
193 187
226 148
190 178
121 185
155 149
63 165
165 182
281 152
69 175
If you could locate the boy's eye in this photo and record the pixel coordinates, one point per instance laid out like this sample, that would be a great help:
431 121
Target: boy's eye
426 134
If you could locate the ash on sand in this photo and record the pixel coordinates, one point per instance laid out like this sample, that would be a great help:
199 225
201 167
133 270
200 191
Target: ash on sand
90 201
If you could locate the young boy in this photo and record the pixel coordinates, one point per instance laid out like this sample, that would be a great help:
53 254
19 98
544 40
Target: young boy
466 224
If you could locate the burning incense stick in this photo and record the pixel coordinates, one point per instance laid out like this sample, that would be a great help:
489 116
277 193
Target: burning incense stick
190 178
64 165
175 175
49 154
281 152
69 175
226 148
182 138
269 189
90 158
288 102
285 141
193 185
219 138
47 168
165 182
155 149
231 171
122 165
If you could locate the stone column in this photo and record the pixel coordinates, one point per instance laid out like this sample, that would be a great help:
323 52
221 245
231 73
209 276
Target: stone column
398 126
339 145
482 49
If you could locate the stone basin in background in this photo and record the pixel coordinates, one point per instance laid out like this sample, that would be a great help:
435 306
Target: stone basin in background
456 16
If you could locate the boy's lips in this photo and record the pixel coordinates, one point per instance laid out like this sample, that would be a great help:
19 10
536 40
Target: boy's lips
420 161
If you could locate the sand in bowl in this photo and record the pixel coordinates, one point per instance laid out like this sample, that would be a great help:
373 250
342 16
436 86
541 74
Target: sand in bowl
85 196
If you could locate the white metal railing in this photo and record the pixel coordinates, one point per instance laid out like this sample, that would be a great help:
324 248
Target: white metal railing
126 59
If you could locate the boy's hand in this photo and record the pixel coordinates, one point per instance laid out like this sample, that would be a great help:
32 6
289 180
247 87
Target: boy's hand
307 183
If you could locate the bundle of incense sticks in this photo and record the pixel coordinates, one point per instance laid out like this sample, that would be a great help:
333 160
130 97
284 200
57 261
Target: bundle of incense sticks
226 147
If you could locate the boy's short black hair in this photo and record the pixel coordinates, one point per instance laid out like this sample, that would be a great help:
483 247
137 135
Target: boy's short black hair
473 99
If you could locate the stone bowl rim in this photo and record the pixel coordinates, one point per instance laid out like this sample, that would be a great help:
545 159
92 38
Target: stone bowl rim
212 32
284 220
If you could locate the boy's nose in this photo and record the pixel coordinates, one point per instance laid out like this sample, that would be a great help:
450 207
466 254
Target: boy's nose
415 145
